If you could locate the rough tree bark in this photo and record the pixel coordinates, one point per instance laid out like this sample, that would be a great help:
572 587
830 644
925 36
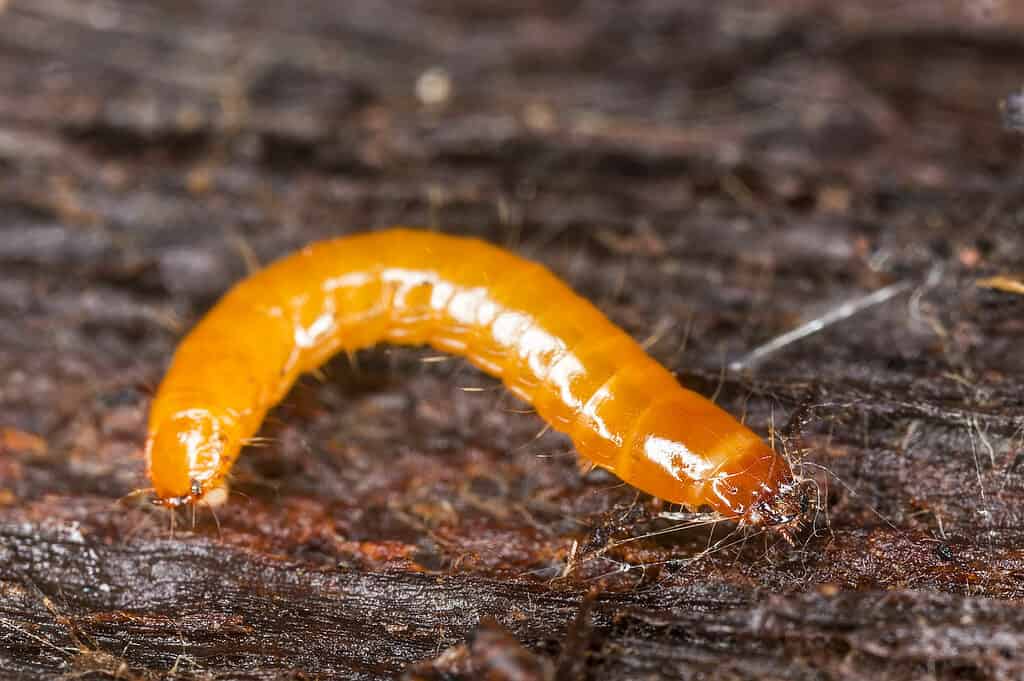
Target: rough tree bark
711 174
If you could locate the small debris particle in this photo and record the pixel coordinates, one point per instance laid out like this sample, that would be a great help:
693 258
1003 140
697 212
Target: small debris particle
1005 283
434 86
14 440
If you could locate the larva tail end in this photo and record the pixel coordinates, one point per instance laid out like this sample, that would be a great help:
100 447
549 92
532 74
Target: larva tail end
168 469
180 500
185 455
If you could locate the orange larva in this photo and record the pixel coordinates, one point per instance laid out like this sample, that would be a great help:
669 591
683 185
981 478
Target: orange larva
510 317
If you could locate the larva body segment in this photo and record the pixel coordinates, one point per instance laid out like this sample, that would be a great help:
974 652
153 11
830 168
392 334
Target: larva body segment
510 317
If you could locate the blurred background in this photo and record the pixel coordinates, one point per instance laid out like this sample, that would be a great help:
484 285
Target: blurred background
711 175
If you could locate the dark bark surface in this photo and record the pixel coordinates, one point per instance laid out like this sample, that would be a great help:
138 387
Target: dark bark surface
712 175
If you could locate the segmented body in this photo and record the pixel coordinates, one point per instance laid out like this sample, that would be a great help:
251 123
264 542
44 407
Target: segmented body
510 317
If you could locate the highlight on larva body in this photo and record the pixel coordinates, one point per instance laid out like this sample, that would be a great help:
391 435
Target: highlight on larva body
508 316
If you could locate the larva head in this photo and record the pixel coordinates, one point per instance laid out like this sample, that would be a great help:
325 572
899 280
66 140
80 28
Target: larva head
785 510
704 457
755 484
185 454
